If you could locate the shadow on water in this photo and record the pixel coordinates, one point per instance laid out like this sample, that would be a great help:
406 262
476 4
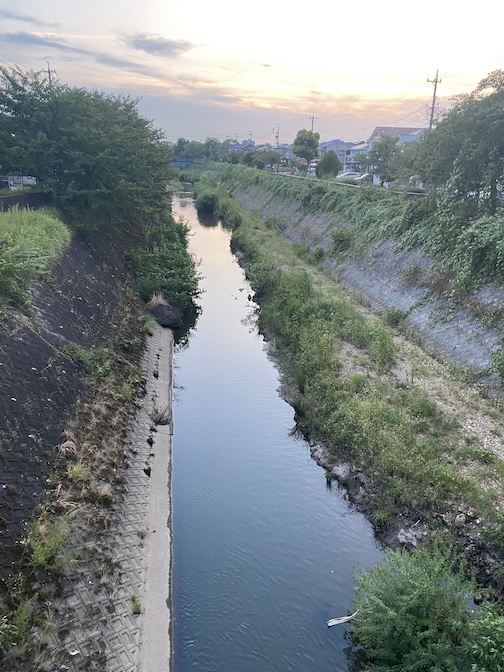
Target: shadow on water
183 335
208 219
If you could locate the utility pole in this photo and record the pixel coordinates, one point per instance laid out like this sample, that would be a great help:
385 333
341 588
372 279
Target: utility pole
434 81
276 134
312 119
49 73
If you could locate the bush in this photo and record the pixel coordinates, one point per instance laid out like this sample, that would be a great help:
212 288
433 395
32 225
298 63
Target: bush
341 240
413 614
329 165
206 202
163 265
48 543
8 634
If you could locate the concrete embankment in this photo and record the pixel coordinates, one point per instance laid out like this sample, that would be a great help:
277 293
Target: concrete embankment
121 619
391 279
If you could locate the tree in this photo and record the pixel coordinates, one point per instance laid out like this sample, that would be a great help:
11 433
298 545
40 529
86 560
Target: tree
103 162
466 149
329 165
381 158
266 157
306 145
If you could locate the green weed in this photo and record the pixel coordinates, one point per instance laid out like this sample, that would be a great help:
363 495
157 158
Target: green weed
48 541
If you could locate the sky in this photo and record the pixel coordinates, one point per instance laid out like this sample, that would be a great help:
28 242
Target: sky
262 70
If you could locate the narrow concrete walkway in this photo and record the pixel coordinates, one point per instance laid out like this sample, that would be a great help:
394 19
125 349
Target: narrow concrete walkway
116 609
155 652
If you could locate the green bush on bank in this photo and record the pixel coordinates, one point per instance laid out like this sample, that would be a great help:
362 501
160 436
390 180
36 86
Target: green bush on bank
413 615
163 266
31 241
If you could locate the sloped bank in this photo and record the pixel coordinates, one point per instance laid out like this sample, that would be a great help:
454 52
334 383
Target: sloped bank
391 279
80 303
71 382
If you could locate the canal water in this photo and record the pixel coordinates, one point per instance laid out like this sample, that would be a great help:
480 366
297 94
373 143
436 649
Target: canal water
264 553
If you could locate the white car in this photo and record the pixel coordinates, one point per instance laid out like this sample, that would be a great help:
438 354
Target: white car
348 174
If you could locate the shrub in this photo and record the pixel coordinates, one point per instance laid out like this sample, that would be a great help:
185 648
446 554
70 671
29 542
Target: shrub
413 615
206 202
163 265
47 541
394 317
8 635
341 240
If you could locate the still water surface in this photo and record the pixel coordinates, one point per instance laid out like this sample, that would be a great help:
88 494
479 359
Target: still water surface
264 553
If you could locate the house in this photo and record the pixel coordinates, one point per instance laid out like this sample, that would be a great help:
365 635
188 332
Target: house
341 148
244 146
404 135
285 150
19 181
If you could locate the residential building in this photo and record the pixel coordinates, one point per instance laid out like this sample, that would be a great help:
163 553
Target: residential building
341 148
404 135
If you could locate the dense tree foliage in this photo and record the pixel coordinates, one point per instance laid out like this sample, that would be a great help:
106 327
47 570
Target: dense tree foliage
329 165
101 160
107 168
466 149
306 145
380 158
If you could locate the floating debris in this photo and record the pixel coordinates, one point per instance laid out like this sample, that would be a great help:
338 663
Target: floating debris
341 619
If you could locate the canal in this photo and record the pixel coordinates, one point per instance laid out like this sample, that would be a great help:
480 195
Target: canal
264 553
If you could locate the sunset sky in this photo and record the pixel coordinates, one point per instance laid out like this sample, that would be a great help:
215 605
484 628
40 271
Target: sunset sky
226 69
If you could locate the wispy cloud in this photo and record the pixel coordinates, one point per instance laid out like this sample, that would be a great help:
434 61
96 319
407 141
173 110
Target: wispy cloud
35 40
67 51
158 45
14 16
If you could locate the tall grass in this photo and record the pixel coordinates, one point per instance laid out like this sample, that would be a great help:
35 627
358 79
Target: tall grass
31 241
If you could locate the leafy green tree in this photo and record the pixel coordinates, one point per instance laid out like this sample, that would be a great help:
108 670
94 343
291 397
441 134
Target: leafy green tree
381 158
466 149
266 157
329 165
212 148
107 168
403 163
248 158
103 162
306 145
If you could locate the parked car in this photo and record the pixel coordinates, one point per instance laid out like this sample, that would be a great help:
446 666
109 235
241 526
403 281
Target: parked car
348 174
365 177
